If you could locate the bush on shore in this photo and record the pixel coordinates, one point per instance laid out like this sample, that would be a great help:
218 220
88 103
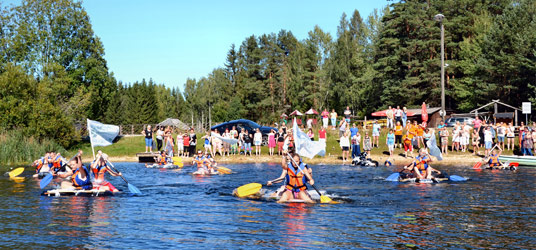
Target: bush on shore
15 148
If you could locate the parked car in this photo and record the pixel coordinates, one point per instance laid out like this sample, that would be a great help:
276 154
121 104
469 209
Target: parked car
250 126
450 122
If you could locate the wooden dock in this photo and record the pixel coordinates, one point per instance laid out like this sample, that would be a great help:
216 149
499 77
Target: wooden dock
146 157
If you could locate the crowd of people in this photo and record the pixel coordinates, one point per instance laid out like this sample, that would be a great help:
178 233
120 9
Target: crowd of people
400 133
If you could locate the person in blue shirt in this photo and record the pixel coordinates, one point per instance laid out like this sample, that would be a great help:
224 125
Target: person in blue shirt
390 140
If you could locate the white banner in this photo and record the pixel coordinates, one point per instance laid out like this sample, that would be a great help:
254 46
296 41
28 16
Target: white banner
303 144
228 140
434 150
101 134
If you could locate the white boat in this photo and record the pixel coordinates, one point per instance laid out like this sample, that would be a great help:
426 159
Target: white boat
522 160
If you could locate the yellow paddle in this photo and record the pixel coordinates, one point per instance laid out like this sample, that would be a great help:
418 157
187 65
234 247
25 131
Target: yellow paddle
248 189
223 170
177 161
15 172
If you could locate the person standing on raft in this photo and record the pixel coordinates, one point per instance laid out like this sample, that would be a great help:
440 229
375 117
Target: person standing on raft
296 179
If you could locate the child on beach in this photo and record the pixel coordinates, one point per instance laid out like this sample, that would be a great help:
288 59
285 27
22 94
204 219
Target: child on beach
367 143
444 141
408 145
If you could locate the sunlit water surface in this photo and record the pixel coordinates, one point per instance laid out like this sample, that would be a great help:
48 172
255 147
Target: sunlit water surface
180 211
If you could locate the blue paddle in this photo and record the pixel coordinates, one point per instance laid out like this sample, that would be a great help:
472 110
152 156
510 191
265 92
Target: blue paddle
457 178
393 177
133 189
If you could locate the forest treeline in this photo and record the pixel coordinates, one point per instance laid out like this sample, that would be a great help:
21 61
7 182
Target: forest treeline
53 74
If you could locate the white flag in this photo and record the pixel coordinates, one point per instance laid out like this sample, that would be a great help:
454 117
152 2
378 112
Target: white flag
228 140
303 144
101 134
434 150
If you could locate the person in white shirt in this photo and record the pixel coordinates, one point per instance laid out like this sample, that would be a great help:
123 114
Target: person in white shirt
345 145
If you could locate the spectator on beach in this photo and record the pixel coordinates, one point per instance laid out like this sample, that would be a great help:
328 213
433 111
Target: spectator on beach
367 143
488 140
186 142
322 134
356 150
180 144
347 114
148 133
527 142
466 135
426 136
510 136
444 134
325 118
390 141
227 145
408 144
280 141
404 116
399 132
390 118
520 136
206 145
419 131
169 145
476 142
193 142
456 137
311 134
309 123
376 128
501 132
333 116
271 142
217 144
159 137
533 132
344 142
247 138
343 125
257 140
398 115
234 147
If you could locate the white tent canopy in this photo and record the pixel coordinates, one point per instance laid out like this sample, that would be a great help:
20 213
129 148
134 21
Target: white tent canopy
174 123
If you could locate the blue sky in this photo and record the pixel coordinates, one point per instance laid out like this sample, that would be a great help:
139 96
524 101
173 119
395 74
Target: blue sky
170 41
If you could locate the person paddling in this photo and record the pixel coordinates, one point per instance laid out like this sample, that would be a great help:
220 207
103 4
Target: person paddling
79 175
296 178
420 166
100 167
493 160
282 178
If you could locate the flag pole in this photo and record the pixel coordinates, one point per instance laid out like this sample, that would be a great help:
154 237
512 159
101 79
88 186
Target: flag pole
90 138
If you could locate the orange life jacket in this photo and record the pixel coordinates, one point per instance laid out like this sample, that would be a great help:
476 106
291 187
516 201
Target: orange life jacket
494 161
99 172
295 179
56 164
422 163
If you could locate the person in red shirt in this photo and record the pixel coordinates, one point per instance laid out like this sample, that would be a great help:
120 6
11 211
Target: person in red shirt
322 134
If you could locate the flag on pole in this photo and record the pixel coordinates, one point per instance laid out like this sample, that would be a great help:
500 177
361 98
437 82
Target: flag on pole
227 140
434 150
101 134
303 144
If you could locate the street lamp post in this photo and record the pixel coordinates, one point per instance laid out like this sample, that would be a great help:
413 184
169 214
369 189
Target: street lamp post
439 18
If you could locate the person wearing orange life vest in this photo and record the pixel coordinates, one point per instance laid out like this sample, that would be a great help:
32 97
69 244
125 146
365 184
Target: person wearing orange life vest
41 164
281 178
296 178
80 178
100 167
58 163
162 158
493 161
200 162
420 166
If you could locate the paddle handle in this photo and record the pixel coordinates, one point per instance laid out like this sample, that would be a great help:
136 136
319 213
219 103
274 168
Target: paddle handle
316 190
112 165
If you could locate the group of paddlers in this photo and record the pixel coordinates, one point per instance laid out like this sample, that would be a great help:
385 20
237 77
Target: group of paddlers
75 174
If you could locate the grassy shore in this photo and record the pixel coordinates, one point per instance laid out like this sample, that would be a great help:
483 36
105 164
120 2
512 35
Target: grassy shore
125 149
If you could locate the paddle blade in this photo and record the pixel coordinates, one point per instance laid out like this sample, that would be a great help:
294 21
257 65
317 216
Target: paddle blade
457 178
248 189
325 199
477 165
46 180
133 189
15 172
224 170
393 177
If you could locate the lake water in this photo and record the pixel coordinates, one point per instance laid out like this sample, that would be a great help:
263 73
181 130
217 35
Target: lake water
179 211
